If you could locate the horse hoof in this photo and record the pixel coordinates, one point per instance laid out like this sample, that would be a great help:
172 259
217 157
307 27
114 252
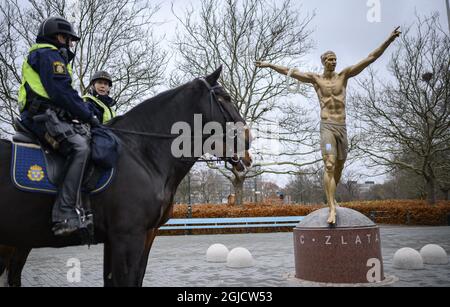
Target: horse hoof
4 279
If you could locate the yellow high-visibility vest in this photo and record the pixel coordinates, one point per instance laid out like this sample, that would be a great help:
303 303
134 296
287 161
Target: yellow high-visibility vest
108 113
32 78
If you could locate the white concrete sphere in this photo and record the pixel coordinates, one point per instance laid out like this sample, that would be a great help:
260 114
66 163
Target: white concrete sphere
408 259
434 254
240 258
217 253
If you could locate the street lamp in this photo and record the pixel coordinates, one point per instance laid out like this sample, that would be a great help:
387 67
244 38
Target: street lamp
190 199
189 213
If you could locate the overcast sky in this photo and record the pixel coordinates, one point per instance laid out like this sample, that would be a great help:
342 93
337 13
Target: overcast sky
341 26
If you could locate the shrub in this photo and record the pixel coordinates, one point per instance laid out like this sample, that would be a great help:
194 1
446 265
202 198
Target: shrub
393 212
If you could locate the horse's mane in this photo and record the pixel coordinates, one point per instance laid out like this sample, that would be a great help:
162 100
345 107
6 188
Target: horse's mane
157 100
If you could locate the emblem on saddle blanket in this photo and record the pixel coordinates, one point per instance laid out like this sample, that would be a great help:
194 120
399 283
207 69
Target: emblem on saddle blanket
29 171
36 173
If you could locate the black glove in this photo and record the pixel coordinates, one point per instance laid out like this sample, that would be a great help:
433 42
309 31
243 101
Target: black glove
94 122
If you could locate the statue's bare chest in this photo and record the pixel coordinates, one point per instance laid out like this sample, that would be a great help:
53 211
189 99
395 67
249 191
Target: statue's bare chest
333 87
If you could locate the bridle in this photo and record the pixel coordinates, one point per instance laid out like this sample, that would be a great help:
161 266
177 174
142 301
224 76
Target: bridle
235 160
213 99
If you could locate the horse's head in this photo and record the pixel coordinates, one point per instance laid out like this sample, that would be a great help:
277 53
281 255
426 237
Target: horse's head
218 107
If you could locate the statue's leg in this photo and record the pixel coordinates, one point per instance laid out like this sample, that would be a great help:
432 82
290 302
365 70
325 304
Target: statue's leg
339 169
326 180
338 173
330 186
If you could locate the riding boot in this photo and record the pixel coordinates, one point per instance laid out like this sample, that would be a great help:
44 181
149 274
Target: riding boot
69 196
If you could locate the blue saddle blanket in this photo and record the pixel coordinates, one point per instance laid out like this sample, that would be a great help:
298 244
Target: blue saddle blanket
29 171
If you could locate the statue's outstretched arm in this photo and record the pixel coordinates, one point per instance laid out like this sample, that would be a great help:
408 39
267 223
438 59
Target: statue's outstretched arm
296 74
355 70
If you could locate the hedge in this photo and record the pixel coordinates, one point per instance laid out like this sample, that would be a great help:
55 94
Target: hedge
391 212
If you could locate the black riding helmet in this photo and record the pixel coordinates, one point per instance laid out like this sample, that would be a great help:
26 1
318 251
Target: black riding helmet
101 75
57 25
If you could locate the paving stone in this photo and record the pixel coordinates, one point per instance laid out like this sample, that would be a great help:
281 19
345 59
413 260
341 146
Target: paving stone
180 261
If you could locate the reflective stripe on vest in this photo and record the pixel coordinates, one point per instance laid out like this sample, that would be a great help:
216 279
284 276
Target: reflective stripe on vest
32 78
108 113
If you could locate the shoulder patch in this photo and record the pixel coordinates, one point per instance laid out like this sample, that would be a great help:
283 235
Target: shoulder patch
59 68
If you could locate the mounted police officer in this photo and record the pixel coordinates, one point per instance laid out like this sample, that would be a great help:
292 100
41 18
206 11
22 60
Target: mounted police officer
53 110
98 96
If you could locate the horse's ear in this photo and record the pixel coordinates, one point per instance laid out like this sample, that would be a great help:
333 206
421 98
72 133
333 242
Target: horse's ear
212 78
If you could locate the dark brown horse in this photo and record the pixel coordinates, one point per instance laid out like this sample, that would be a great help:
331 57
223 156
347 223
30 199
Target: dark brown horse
139 200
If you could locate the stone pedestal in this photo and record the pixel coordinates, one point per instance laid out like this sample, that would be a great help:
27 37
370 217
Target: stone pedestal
348 253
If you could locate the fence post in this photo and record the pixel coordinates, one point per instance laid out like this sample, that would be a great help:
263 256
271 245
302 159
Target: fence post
372 216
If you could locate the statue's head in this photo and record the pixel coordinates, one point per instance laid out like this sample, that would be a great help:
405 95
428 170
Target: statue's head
329 60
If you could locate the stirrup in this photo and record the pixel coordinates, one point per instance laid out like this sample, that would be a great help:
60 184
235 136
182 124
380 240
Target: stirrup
66 228
86 229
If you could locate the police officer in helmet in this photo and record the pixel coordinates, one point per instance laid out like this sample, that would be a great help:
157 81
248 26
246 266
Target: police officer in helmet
53 110
98 96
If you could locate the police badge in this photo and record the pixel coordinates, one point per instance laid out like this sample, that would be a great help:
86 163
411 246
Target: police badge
59 68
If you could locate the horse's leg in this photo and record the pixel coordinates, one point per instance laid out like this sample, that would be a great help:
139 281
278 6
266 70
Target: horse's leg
16 265
5 256
151 235
107 268
126 254
3 273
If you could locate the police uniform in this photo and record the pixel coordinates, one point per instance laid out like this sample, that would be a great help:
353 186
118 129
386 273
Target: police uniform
53 110
101 105
46 65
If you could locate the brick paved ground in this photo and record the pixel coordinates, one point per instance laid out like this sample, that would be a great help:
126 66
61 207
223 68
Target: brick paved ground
180 261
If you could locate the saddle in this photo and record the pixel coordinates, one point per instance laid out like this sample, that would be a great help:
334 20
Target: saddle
38 168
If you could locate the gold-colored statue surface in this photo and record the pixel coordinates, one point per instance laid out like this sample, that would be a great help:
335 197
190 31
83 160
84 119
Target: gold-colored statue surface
331 89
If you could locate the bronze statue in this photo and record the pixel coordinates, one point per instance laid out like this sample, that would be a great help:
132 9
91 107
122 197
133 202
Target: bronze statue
331 90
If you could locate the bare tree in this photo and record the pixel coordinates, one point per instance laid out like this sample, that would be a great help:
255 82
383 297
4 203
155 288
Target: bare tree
9 71
116 36
411 113
443 174
182 195
349 189
269 190
307 188
236 33
402 184
203 185
211 187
